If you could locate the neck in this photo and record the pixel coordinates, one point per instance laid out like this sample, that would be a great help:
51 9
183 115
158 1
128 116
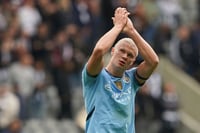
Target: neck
114 71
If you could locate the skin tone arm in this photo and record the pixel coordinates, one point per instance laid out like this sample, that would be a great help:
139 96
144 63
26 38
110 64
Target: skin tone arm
151 60
95 62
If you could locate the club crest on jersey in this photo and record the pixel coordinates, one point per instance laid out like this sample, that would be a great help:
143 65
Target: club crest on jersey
126 79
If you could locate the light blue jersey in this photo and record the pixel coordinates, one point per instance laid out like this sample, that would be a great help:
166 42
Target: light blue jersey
110 109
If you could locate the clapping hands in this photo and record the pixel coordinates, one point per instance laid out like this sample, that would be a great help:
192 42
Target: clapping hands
122 21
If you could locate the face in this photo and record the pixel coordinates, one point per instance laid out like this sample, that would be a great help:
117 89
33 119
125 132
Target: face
123 55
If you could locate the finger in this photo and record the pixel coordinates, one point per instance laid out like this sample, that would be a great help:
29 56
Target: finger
118 10
113 19
124 9
127 13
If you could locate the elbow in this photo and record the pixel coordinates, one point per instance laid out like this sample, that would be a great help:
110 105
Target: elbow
155 62
98 52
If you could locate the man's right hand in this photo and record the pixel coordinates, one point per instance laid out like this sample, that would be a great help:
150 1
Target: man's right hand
128 27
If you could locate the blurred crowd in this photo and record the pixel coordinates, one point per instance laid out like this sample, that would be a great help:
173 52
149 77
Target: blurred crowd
45 43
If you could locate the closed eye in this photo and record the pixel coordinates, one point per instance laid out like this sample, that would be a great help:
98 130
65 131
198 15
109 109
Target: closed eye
130 55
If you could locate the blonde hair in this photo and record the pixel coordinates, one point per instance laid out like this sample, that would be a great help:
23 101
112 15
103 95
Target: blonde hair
129 41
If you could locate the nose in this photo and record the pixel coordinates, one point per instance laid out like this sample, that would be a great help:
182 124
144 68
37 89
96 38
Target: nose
125 56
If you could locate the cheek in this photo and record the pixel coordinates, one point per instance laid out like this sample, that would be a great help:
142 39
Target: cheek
116 55
131 62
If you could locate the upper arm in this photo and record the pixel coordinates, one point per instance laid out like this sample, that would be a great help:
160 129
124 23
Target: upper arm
143 72
95 63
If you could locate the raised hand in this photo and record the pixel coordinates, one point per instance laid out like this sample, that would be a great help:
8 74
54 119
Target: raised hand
128 27
120 17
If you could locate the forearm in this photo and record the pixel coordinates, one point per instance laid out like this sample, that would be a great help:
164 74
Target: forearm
144 48
107 40
95 62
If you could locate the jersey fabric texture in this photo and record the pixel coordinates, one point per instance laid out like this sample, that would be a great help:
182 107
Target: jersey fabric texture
110 109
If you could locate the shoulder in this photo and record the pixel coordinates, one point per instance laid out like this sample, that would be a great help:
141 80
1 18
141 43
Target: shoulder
86 77
131 71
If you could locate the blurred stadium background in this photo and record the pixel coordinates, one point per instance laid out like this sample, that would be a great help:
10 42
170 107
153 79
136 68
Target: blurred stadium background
45 43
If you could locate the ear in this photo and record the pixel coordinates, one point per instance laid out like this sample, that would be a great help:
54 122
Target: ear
112 50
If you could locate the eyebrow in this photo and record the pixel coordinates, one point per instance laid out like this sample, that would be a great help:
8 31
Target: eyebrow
131 53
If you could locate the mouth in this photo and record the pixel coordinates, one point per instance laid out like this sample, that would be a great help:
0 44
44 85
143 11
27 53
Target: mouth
122 63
